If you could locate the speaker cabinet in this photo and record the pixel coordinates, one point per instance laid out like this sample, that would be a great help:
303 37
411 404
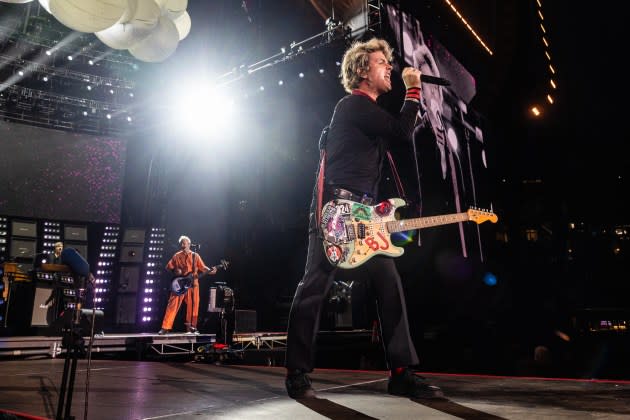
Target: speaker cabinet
27 229
133 236
43 313
81 248
22 248
75 233
128 279
245 321
126 309
131 253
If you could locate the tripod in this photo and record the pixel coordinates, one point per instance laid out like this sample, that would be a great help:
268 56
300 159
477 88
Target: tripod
73 331
72 340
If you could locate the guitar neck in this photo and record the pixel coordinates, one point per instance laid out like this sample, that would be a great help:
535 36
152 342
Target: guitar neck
425 222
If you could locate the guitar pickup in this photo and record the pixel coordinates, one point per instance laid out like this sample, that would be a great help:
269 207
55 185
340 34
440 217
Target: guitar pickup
362 229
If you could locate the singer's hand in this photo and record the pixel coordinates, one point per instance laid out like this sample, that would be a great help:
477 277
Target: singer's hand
411 77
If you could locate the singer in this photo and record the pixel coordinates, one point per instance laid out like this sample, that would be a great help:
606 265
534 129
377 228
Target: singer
353 149
185 263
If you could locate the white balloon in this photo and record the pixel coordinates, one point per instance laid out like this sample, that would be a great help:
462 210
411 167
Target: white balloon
88 15
133 28
182 23
173 8
45 4
161 43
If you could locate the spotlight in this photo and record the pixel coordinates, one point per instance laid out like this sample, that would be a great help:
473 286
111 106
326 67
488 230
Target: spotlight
69 58
131 94
301 75
262 88
109 116
111 91
85 113
89 87
129 119
280 82
45 78
21 73
321 71
90 62
48 53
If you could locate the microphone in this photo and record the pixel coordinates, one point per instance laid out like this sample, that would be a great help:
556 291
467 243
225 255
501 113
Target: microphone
434 80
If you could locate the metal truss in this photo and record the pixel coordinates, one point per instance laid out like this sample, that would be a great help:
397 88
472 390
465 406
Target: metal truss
368 21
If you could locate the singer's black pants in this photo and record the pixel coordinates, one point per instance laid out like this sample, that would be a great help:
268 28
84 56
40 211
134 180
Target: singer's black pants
305 311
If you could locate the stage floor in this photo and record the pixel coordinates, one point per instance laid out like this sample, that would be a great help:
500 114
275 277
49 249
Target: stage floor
124 389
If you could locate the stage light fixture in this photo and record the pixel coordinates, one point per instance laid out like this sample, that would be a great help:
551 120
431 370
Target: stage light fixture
109 116
280 82
301 75
70 58
321 71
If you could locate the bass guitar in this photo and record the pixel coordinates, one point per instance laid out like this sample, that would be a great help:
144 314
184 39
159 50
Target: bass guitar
180 284
354 232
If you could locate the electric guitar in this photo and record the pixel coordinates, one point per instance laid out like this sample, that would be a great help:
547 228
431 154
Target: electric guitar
180 284
354 232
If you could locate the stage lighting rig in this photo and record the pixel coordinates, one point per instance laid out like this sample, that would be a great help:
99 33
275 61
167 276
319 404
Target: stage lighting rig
362 18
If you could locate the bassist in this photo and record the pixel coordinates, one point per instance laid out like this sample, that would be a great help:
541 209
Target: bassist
183 263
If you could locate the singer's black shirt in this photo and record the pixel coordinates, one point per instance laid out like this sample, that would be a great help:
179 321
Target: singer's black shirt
356 145
358 138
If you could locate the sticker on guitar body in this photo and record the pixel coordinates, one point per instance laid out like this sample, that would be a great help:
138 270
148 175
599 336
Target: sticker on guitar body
334 219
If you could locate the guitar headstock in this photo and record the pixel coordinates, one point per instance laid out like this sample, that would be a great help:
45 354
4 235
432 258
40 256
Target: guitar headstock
223 264
480 216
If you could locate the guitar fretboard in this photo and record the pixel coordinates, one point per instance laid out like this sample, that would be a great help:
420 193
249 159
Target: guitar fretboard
424 222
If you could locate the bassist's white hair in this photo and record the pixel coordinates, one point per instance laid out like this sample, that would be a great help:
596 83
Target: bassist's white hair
181 238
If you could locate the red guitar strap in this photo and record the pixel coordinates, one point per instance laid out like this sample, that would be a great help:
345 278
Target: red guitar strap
320 173
320 184
399 185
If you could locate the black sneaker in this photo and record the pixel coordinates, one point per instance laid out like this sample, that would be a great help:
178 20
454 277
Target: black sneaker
164 331
409 384
299 385
192 330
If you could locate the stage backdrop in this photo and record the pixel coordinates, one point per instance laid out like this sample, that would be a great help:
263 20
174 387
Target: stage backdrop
451 161
60 175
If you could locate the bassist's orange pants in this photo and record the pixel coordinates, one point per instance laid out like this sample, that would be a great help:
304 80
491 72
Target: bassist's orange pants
191 299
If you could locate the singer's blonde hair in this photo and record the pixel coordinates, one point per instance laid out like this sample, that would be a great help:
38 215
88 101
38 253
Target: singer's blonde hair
356 61
181 238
